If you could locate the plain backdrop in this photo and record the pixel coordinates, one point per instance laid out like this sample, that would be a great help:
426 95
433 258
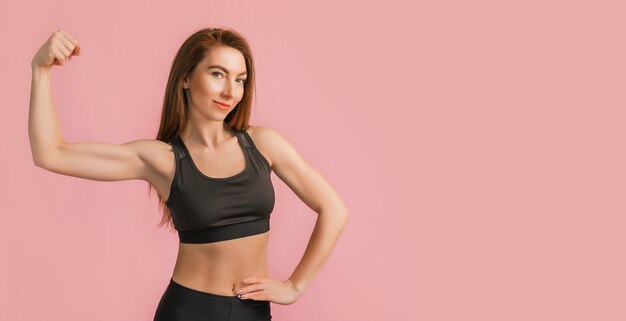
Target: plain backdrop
479 146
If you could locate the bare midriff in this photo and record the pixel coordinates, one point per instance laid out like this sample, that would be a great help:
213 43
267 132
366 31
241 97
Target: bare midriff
219 267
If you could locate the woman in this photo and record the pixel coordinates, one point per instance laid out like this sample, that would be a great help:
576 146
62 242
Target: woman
211 170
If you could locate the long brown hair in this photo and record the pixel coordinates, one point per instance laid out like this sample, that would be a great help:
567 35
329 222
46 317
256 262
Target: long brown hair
174 114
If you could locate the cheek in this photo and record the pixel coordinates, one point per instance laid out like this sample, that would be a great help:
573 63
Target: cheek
208 87
204 84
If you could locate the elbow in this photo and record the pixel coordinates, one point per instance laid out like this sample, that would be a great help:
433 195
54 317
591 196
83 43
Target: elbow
43 158
39 163
39 160
343 220
339 216
344 213
42 162
336 213
346 216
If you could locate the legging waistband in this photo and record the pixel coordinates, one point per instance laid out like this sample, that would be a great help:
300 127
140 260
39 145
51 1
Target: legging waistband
202 295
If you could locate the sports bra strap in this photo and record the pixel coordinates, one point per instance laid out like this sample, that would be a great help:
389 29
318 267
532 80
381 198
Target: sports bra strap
245 139
178 151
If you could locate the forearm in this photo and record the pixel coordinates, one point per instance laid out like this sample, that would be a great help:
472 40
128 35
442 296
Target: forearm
44 131
326 232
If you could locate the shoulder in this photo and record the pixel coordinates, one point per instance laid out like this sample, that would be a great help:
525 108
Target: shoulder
263 138
149 149
261 132
157 155
273 145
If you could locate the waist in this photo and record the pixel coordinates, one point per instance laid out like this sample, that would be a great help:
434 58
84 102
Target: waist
220 267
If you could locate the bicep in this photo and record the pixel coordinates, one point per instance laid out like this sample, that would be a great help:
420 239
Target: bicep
100 161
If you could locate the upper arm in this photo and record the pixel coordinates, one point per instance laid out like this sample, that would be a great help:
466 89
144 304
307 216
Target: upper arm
102 161
305 181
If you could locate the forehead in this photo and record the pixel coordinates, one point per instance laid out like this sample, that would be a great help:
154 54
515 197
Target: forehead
228 57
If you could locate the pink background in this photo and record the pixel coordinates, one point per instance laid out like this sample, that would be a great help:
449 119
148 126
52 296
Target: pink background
478 145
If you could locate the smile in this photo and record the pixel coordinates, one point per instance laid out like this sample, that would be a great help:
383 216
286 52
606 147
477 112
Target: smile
221 105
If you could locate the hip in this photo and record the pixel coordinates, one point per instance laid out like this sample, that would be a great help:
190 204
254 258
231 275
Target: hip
181 303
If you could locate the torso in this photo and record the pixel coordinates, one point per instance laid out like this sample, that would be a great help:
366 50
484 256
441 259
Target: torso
215 267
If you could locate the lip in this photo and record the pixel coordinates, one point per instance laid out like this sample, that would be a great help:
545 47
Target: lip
221 104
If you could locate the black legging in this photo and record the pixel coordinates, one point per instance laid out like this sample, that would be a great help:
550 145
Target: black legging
180 303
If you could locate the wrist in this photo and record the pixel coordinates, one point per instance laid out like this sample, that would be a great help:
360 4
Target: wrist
38 71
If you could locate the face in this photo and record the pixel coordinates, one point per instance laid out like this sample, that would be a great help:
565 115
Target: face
219 77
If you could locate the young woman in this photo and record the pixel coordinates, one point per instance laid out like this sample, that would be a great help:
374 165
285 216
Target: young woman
211 170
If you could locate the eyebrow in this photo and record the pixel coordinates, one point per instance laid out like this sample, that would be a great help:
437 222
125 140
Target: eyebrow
225 70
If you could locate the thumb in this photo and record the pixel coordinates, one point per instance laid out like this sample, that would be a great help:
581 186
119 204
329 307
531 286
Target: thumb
76 51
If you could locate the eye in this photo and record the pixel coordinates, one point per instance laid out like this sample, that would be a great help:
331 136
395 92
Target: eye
243 81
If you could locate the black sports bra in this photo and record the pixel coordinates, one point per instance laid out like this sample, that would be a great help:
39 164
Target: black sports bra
208 209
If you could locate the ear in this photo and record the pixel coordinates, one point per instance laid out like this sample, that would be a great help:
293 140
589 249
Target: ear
186 82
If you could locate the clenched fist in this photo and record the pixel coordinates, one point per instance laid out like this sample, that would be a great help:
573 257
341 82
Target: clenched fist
57 50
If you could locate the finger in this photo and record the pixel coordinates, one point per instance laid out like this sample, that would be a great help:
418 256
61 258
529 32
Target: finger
69 37
68 45
59 61
251 288
260 297
251 295
64 51
253 279
59 57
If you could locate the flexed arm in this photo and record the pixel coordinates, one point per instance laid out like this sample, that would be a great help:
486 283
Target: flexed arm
44 130
90 160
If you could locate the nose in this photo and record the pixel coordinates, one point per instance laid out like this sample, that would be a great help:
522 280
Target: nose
229 90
